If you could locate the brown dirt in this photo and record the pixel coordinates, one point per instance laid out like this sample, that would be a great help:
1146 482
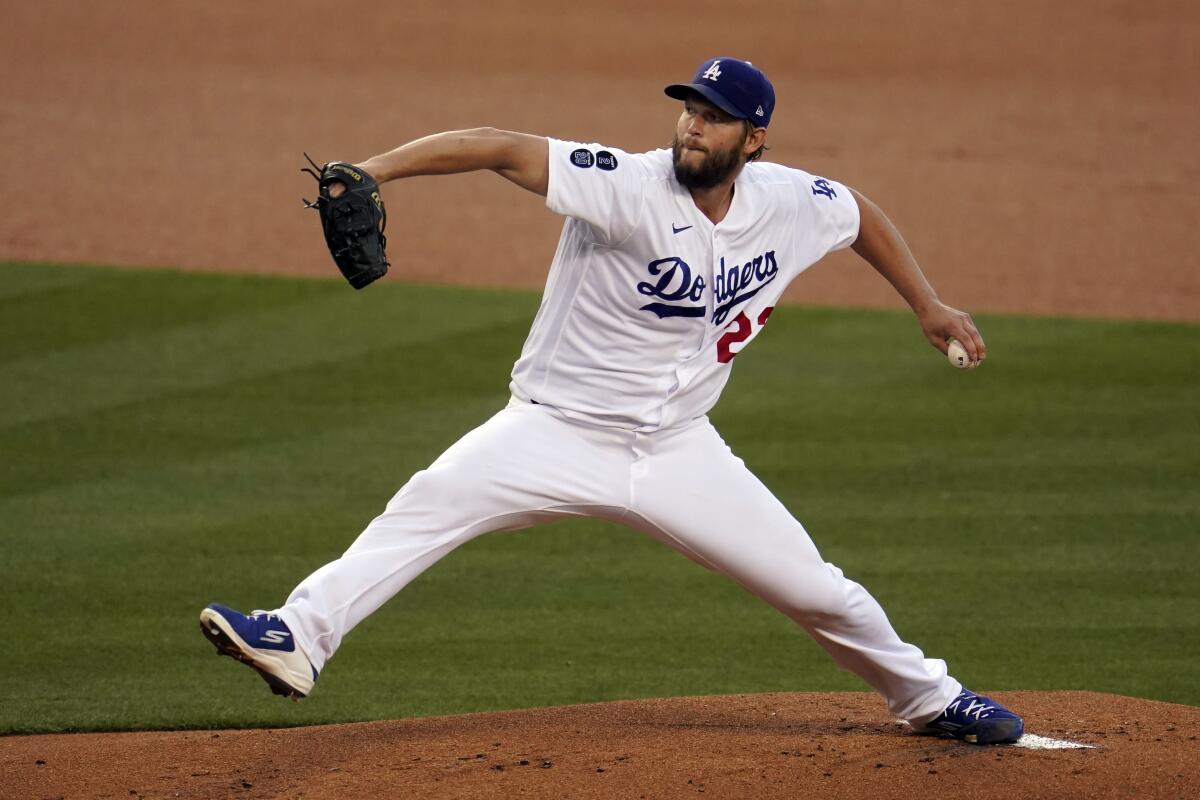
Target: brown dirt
1039 156
762 746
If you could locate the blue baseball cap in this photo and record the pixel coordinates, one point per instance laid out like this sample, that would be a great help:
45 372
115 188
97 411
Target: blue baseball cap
736 87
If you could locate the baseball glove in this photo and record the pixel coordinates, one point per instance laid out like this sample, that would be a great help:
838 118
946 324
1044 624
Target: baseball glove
353 222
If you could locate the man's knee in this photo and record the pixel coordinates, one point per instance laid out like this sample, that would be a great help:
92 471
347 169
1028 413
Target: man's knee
430 488
814 599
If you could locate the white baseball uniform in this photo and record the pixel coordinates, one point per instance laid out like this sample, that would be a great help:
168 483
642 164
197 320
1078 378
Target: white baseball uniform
646 304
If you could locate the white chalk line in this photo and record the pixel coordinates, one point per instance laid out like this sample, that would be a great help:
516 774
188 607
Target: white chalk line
1035 742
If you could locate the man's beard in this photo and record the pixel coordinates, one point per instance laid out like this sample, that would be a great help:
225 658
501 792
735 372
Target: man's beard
715 168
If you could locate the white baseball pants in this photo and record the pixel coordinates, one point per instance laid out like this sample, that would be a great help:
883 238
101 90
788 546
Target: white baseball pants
683 486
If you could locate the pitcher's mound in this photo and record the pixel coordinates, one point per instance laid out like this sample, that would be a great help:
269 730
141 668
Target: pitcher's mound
741 746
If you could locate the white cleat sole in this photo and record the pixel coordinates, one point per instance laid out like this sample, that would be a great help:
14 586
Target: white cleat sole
273 669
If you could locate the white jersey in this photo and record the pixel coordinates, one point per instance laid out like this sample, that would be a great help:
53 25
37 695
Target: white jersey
647 301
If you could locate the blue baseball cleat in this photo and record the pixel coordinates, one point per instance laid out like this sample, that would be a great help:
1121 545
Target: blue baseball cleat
263 642
975 719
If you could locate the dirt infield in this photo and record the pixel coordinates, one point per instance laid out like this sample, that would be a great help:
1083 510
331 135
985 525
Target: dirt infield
762 746
1038 156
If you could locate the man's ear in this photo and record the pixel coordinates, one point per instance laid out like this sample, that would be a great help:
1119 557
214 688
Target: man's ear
754 141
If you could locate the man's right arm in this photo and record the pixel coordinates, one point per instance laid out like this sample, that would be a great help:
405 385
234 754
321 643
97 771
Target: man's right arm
520 157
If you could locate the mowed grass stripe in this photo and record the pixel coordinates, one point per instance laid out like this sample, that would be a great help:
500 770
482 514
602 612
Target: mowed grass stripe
328 327
285 404
34 294
1033 521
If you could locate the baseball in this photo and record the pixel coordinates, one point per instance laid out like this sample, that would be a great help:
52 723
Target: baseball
957 354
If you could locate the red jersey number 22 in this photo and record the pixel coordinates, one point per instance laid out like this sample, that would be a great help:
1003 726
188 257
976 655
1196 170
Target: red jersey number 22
739 331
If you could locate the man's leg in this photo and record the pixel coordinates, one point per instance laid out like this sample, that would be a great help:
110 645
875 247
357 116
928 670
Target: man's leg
522 467
690 491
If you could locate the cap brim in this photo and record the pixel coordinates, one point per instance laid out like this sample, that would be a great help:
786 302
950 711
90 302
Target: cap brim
680 91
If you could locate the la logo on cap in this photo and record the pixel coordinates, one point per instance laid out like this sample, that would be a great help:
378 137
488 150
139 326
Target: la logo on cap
713 72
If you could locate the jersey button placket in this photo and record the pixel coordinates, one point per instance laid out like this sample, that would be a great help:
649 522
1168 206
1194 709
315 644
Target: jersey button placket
711 329
706 236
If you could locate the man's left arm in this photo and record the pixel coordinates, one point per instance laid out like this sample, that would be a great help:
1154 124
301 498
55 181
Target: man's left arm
882 246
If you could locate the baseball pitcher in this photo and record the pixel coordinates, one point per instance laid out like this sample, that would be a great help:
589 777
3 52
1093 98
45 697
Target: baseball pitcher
668 266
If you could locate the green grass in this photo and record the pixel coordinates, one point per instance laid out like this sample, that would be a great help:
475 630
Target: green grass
168 439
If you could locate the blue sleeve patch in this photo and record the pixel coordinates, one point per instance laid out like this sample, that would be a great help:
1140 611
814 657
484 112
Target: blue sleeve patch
606 161
582 158
821 186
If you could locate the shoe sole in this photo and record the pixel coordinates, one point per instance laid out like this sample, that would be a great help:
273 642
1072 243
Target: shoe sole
216 630
996 731
992 731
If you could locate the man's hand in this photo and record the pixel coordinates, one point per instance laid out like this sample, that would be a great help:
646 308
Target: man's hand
941 323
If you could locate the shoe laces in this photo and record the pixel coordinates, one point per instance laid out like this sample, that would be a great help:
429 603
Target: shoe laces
976 707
